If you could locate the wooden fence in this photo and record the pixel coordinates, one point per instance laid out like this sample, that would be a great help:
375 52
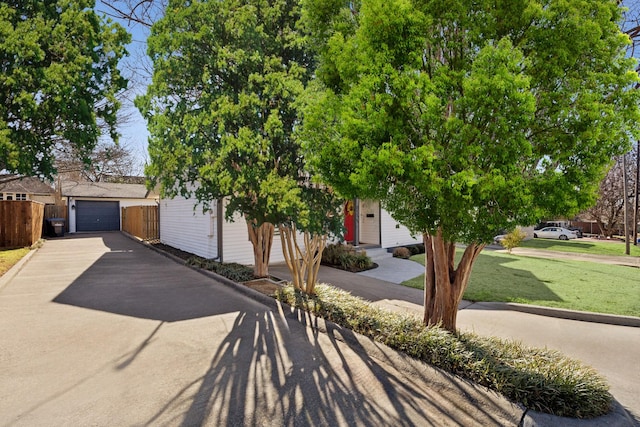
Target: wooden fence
141 221
20 223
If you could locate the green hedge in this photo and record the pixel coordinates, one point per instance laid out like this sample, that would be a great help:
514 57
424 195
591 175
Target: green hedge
541 379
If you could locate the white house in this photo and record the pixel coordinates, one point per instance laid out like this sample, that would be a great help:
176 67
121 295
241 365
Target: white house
185 226
96 206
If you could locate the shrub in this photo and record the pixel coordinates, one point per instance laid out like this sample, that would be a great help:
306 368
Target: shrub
402 252
513 239
541 379
232 271
346 258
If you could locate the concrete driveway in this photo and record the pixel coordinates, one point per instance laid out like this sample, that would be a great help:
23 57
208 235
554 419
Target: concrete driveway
99 330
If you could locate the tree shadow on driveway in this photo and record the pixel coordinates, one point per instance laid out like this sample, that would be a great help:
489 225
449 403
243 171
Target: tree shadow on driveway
132 280
274 370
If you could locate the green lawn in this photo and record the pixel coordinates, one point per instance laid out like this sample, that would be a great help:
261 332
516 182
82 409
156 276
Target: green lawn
575 285
9 257
604 247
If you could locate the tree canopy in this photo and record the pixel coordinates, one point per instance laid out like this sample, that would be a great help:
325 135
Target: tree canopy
58 80
468 117
222 109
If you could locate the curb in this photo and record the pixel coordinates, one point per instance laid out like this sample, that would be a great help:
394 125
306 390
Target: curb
618 417
583 316
15 269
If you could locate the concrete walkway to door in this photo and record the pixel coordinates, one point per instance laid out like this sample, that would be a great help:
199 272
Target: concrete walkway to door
99 330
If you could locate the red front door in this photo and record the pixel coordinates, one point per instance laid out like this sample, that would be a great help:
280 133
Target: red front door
349 221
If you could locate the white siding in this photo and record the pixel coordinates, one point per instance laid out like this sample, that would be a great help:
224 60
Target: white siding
238 248
188 229
369 225
393 234
196 232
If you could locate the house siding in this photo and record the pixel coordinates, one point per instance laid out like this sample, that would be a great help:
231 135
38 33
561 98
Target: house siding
238 248
188 229
393 234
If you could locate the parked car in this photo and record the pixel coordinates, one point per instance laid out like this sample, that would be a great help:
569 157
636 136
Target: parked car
542 225
555 233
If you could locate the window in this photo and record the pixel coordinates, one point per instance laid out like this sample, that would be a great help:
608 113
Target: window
21 196
1 196
9 196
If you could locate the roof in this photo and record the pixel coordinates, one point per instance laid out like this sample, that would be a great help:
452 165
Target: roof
27 184
105 190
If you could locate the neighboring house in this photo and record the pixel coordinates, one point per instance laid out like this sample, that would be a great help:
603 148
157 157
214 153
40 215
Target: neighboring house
185 226
25 188
96 206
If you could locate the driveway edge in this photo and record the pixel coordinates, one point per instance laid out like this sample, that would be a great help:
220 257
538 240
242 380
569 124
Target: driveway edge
15 269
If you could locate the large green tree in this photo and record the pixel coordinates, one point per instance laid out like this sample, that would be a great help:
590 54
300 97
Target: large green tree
222 110
466 117
58 80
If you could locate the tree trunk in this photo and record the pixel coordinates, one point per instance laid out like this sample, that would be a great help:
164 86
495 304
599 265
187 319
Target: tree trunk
261 237
303 265
444 284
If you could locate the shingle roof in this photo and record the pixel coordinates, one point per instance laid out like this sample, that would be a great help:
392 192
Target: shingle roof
105 190
27 184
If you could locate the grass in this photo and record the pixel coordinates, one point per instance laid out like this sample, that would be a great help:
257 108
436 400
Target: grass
574 285
594 247
9 257
540 379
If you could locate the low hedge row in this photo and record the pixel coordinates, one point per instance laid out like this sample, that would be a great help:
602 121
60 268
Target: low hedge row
541 379
232 271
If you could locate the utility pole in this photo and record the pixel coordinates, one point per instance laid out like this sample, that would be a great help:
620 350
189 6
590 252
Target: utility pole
625 205
636 204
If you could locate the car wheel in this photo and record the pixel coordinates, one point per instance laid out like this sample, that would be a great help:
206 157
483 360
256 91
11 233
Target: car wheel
535 236
563 237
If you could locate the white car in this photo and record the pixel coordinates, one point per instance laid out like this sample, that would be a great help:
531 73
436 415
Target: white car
555 233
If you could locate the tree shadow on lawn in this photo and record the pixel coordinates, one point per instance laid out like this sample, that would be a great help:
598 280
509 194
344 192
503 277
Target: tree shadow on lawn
273 369
552 243
493 280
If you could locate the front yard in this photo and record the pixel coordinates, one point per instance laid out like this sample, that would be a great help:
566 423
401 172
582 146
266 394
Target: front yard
9 257
575 285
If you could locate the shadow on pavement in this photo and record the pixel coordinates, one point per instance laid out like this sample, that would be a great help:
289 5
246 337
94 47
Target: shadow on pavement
271 370
132 280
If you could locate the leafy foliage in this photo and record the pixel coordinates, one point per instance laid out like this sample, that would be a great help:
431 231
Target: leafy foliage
513 239
232 271
540 379
467 117
470 117
221 106
345 257
58 82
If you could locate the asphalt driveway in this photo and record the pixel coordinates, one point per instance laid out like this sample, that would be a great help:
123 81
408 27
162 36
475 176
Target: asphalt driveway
99 330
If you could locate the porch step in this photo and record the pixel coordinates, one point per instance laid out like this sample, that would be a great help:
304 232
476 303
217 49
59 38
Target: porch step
377 253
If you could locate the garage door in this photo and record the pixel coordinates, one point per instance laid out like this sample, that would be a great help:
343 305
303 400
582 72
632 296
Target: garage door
97 216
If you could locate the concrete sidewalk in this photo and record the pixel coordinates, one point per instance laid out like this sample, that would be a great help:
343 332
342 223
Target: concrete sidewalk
99 330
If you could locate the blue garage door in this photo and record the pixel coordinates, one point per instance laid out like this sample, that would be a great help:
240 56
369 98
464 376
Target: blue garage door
97 216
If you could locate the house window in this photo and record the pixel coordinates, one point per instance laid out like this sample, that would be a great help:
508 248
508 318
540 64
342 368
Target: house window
21 196
1 196
8 196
